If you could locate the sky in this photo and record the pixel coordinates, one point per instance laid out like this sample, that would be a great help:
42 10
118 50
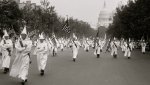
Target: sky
86 10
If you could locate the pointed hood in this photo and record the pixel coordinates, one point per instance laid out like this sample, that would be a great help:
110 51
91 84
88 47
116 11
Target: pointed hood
74 36
5 33
41 36
24 31
114 38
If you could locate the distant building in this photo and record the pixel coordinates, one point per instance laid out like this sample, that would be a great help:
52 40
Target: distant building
105 17
27 4
22 5
17 1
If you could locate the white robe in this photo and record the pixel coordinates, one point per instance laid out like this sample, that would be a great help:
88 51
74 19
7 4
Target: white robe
5 54
98 48
42 55
143 45
20 65
86 45
127 50
123 46
75 48
113 48
61 45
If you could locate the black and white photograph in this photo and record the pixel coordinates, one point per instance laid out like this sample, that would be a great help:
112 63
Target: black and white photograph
74 42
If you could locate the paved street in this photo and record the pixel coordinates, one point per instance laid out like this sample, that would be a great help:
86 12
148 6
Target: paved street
88 70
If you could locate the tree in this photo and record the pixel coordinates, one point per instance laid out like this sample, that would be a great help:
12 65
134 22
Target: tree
45 19
131 20
9 15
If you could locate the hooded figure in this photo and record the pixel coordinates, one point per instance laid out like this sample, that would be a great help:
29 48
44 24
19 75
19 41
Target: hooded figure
62 44
143 46
127 49
6 46
21 63
98 48
55 45
42 54
86 45
114 48
75 47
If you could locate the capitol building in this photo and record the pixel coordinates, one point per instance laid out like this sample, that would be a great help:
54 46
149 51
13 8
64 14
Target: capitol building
105 17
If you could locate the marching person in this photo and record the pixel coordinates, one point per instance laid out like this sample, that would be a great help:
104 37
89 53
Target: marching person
86 45
143 46
61 44
21 63
55 45
75 47
122 45
98 48
127 49
41 51
108 47
114 48
6 46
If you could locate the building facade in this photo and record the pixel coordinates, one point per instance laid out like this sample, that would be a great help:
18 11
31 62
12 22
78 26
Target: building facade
105 17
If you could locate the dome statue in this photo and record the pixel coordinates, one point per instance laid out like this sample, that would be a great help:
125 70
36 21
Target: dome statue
105 17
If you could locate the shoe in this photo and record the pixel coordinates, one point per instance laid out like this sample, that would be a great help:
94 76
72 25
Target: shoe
115 56
23 82
98 55
74 60
5 70
129 58
87 50
26 80
42 72
8 70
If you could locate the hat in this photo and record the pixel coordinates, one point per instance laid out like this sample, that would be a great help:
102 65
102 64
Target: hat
5 33
74 36
114 38
41 36
24 31
129 39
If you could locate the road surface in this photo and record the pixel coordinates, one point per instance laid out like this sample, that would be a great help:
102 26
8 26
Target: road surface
88 70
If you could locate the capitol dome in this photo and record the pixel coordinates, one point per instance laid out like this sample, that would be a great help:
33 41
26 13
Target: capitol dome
105 17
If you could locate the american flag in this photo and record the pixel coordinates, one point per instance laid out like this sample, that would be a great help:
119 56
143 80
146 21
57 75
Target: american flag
66 26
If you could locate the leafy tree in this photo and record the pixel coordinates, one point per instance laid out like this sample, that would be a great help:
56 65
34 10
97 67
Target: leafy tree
131 20
9 15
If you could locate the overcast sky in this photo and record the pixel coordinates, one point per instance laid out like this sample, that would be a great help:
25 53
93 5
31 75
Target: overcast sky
86 10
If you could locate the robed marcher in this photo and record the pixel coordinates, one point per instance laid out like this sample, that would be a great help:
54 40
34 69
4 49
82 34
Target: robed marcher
114 48
42 54
127 49
98 48
75 47
21 63
143 46
6 48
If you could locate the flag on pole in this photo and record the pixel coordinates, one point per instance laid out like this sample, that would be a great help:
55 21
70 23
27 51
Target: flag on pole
66 26
96 38
97 33
54 39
